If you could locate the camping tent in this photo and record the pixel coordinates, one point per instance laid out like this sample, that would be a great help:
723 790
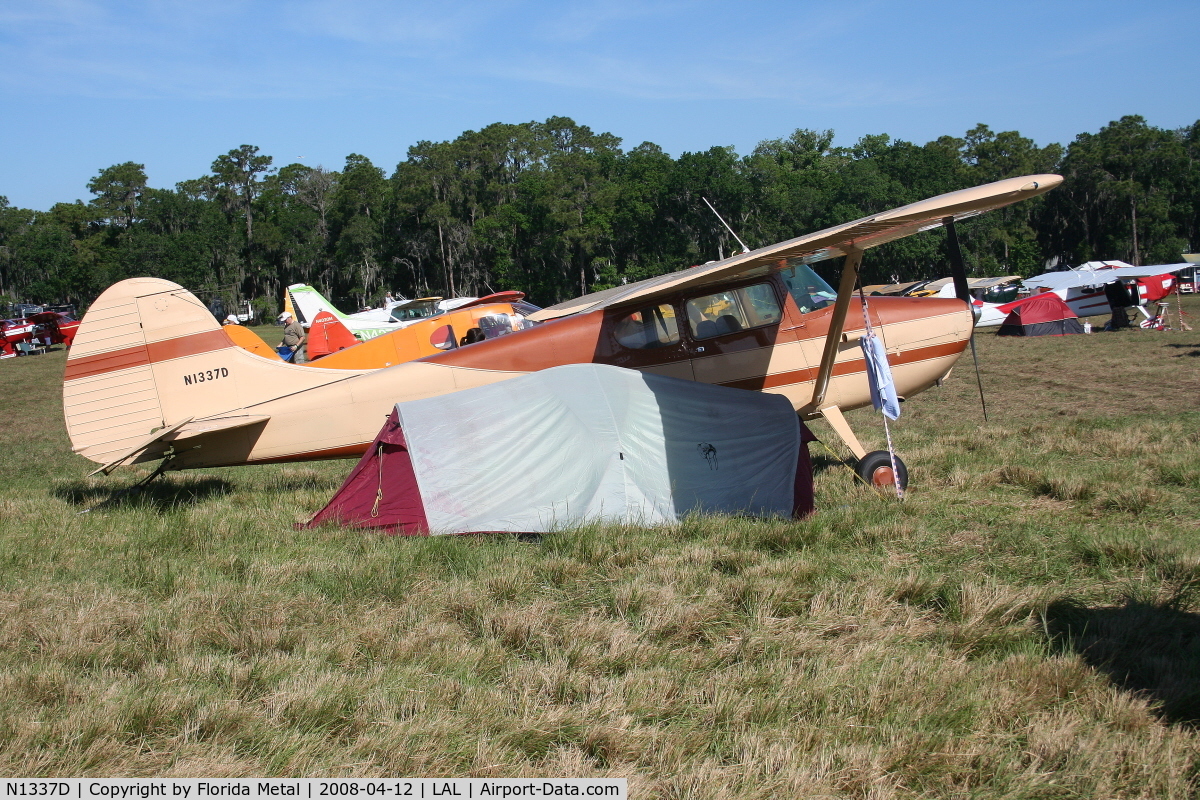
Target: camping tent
575 444
1040 315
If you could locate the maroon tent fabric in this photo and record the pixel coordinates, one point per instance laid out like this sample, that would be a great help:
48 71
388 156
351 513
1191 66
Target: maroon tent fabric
381 491
1040 315
804 502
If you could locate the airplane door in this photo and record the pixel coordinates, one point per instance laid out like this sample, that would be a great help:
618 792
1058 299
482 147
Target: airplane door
647 339
735 336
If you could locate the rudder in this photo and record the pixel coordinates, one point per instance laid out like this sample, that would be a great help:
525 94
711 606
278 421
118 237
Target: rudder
110 397
150 359
308 302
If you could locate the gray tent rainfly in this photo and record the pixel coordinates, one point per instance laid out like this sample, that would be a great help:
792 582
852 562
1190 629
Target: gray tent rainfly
576 444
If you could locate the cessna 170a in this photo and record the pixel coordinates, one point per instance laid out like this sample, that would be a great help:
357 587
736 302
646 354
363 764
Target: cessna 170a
152 376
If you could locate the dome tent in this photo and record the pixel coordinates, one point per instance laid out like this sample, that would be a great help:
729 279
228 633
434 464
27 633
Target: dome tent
1040 315
576 444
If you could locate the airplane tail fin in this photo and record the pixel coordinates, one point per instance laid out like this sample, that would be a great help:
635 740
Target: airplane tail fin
110 397
151 367
328 335
287 304
308 302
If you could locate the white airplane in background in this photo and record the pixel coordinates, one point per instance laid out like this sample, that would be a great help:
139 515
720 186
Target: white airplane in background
986 313
365 325
1083 287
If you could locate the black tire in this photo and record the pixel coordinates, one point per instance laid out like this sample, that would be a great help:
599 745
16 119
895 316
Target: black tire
876 469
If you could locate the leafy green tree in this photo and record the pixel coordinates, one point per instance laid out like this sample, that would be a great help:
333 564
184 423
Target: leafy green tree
236 176
118 189
1120 186
359 213
555 209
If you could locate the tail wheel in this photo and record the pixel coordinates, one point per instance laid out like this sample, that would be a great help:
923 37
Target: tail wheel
876 469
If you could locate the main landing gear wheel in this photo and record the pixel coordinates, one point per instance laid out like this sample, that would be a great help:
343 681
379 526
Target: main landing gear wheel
876 469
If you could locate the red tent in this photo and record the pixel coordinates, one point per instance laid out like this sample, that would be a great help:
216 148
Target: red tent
1041 315
381 491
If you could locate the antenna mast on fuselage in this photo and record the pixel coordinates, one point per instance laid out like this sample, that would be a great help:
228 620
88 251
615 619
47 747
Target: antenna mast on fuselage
745 249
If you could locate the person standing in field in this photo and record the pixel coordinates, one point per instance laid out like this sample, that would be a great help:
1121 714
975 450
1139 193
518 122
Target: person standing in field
294 338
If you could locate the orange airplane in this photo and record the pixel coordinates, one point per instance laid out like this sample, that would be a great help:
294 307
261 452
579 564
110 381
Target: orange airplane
152 376
494 315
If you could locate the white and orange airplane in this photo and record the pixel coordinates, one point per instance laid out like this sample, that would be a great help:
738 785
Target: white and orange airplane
153 376
332 346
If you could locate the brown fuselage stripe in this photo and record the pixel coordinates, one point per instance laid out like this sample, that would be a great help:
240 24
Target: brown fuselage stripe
209 341
778 379
142 354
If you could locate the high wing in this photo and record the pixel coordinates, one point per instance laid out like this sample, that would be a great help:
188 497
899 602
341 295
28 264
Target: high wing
832 242
1098 273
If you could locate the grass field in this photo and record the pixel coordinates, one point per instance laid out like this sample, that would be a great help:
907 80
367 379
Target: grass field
1026 624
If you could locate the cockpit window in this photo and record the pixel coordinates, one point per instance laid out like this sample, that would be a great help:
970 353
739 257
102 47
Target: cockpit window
646 328
807 288
732 311
411 311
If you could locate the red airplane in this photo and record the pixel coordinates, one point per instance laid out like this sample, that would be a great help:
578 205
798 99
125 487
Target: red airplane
42 329
14 332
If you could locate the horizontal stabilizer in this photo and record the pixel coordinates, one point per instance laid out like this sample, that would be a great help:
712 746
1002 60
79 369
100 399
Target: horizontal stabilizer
138 448
202 427
186 431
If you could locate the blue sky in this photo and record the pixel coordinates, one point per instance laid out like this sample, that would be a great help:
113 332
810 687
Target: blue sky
172 84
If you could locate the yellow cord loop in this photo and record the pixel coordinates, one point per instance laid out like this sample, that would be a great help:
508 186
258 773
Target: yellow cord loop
379 488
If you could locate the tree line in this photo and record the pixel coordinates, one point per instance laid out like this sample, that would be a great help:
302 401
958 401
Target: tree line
556 210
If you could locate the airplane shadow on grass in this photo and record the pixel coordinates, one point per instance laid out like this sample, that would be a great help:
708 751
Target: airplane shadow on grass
161 494
1194 353
1150 650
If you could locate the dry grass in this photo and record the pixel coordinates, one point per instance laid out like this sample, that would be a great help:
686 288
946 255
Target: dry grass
1025 625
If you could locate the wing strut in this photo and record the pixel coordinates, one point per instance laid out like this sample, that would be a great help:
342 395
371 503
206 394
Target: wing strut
836 323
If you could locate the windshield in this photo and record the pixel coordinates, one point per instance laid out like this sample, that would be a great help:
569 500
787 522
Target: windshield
521 307
807 288
411 311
